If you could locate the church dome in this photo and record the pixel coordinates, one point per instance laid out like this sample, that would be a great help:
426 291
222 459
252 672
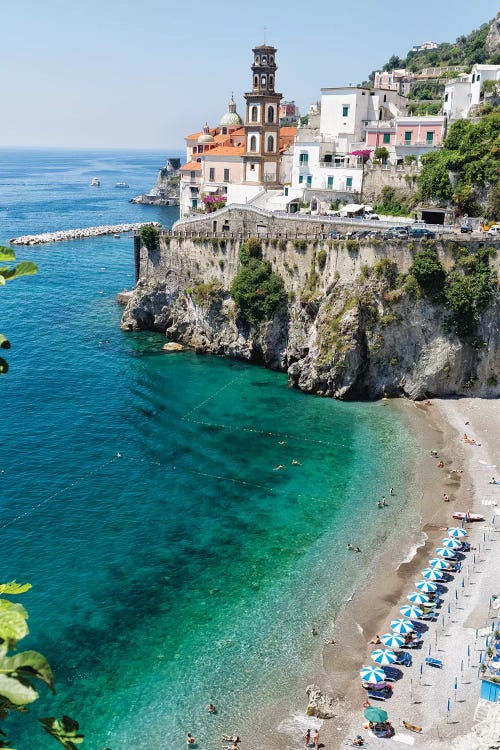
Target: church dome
231 119
205 137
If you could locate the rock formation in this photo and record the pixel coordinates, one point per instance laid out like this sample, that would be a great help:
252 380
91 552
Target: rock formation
493 38
320 705
166 190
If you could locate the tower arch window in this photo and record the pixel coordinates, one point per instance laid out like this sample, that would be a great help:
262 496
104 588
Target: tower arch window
270 143
264 59
256 82
253 143
254 114
263 81
271 59
271 82
270 114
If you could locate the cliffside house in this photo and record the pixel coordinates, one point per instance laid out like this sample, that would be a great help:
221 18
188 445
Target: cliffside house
465 91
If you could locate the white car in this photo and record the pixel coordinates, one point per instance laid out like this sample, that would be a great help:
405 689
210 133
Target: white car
494 230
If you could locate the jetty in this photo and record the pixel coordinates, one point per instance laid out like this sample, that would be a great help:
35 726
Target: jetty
64 235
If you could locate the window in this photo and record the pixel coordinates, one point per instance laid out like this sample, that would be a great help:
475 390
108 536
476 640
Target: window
271 82
286 191
264 59
429 136
254 114
270 143
446 97
385 97
473 77
348 183
256 82
200 149
408 134
253 143
211 174
330 182
226 175
224 131
303 157
387 137
195 149
252 167
345 110
478 77
301 179
194 203
257 59
270 114
309 180
263 81
193 175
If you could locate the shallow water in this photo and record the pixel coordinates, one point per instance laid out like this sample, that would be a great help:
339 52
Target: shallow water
187 569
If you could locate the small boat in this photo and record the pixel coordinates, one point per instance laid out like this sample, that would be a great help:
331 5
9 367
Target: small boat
122 185
95 182
468 516
117 236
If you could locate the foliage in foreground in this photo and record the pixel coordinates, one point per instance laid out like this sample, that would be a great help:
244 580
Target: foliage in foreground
256 289
8 273
150 237
20 670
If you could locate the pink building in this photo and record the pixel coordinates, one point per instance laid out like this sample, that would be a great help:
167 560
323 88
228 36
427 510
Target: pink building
406 135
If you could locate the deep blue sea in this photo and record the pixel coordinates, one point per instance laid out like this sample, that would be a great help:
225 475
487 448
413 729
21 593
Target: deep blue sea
186 569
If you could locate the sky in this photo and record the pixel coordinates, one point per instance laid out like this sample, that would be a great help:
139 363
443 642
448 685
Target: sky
144 73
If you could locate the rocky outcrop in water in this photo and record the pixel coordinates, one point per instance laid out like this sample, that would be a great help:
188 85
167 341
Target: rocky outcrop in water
320 705
166 190
64 235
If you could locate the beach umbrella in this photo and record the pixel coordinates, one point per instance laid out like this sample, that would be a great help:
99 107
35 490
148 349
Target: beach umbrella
375 715
438 564
372 674
411 610
384 656
426 586
451 543
402 626
432 574
445 552
416 597
457 532
392 640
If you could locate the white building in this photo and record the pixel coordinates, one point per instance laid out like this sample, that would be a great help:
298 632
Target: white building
464 92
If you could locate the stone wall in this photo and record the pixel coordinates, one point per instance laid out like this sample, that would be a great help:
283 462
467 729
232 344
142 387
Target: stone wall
378 176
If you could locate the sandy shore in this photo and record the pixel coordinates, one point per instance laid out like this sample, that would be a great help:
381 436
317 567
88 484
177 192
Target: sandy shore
421 696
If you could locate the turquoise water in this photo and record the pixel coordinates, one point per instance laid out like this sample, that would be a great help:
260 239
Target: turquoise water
186 569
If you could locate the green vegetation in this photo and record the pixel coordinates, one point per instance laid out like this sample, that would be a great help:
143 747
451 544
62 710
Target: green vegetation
392 202
388 270
150 237
256 289
472 151
20 670
428 272
352 245
321 258
300 245
206 291
381 154
8 273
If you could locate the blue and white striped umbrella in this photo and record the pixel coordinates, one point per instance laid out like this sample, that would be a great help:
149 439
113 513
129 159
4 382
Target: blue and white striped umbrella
432 574
411 610
402 626
438 564
451 543
416 597
372 674
445 552
384 656
456 532
392 640
426 586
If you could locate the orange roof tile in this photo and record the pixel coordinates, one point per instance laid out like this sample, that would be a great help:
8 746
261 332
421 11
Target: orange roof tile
193 137
288 132
226 151
191 166
240 131
222 138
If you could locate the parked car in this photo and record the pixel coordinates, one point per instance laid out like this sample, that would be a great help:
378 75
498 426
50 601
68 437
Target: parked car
465 228
494 230
421 232
393 234
373 217
334 235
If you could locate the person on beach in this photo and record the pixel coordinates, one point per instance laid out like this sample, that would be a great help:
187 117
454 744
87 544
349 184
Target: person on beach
440 465
316 738
357 549
391 492
190 739
446 497
211 708
376 641
330 642
434 454
379 504
492 481
384 502
307 738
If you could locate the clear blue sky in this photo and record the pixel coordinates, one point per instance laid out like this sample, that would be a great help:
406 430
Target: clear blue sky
133 73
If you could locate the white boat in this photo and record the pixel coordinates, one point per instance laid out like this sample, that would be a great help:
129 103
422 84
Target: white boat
121 185
95 182
116 236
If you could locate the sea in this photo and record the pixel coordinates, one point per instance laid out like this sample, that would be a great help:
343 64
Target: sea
173 562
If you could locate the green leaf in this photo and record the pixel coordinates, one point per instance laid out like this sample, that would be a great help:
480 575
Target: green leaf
4 342
5 604
25 268
4 367
13 625
64 731
28 664
13 587
7 253
17 692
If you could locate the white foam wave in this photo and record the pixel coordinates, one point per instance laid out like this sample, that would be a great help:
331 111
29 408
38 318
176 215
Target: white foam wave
413 550
295 726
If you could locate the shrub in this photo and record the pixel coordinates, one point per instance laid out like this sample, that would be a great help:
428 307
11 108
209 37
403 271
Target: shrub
282 245
366 271
206 291
150 237
428 272
492 381
381 154
321 258
411 286
257 290
300 245
352 245
386 269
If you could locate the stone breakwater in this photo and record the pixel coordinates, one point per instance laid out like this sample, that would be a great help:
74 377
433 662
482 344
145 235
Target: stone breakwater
78 234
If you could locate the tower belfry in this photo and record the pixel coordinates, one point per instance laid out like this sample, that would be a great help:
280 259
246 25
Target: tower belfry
262 120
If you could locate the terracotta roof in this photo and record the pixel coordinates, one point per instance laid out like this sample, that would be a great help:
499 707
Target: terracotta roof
288 132
240 131
221 138
195 136
226 151
191 166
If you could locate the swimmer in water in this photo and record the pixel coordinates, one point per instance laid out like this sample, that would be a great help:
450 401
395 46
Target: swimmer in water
280 466
295 462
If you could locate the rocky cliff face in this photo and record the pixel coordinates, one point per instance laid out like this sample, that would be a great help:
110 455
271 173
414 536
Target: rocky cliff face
350 337
493 38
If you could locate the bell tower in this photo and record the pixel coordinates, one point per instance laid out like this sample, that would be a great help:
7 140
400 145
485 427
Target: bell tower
262 155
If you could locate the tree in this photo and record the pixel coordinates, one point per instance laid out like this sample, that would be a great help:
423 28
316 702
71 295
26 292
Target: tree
381 154
429 273
8 273
433 180
150 237
256 289
20 670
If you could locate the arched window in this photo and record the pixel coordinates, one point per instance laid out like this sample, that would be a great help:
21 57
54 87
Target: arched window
257 59
270 143
271 82
263 81
271 59
256 82
270 114
253 143
264 59
254 114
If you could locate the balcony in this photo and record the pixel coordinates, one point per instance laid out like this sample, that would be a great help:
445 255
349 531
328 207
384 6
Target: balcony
379 124
429 144
339 165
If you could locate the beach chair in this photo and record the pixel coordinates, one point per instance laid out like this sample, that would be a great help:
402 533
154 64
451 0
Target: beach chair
404 658
380 695
411 727
434 662
391 674
415 643
428 615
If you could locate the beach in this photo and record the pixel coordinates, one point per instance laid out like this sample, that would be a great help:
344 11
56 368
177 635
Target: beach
426 696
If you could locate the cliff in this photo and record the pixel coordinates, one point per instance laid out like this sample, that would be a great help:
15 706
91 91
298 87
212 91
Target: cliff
165 192
353 326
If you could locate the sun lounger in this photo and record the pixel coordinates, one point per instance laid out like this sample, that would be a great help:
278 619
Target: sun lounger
404 658
411 727
391 674
433 662
428 615
415 643
379 695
